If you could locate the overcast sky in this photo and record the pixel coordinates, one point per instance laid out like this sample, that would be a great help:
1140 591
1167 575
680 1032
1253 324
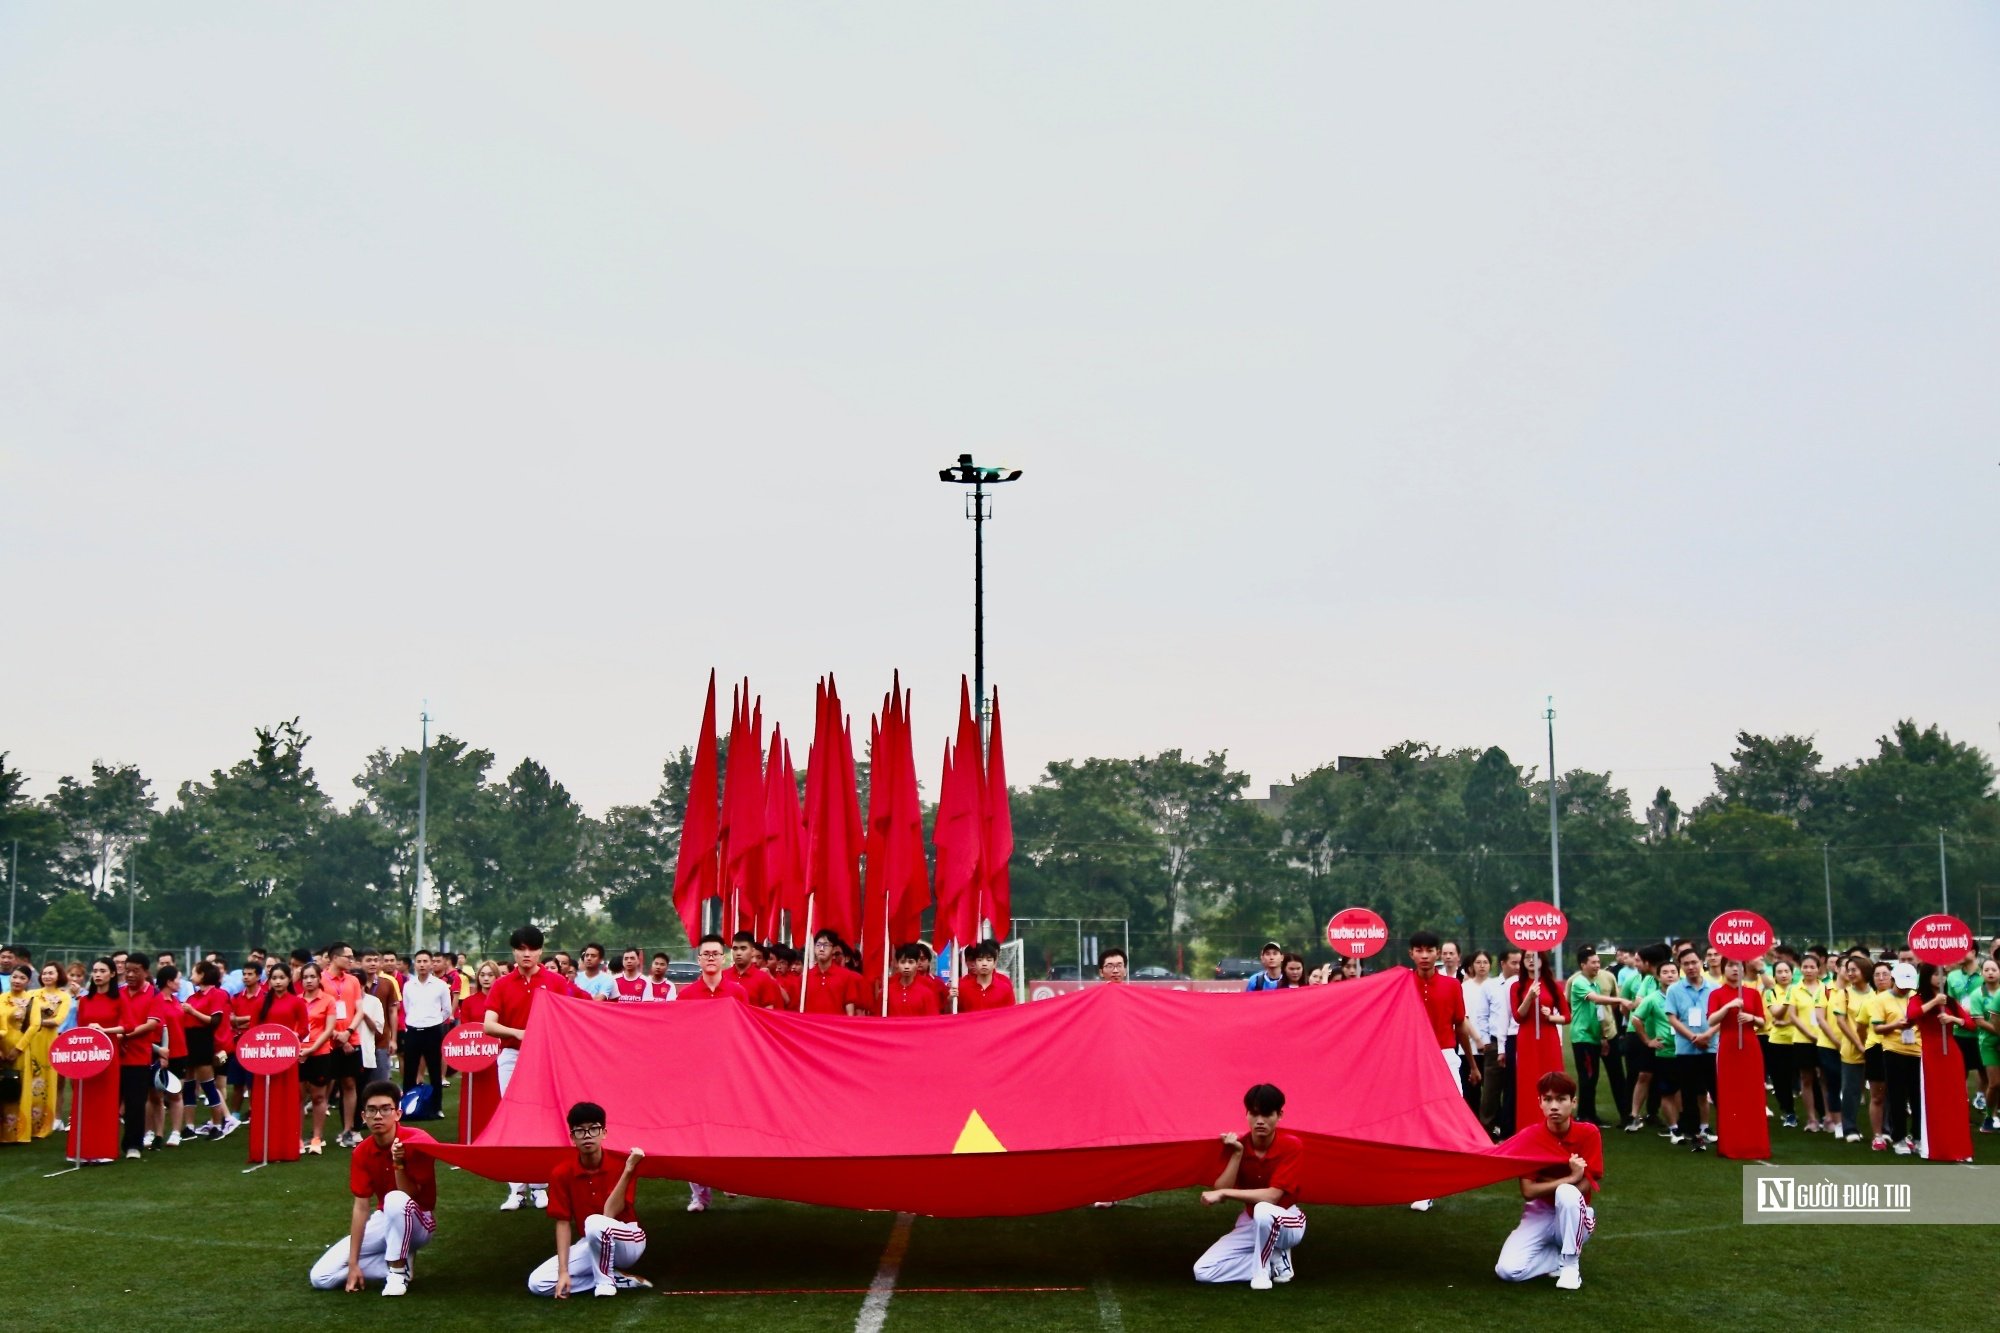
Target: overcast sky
1377 370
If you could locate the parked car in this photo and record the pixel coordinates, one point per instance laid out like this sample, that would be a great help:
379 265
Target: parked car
682 973
1158 974
1064 972
1237 969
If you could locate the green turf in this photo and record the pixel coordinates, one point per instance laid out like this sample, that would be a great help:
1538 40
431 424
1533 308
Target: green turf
183 1234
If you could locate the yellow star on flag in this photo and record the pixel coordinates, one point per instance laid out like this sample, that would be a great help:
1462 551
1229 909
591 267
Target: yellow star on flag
976 1137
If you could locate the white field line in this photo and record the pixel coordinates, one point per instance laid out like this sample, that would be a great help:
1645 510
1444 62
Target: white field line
875 1307
1109 1316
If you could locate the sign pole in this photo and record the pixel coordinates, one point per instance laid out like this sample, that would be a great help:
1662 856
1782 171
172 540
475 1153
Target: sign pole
267 1117
76 1114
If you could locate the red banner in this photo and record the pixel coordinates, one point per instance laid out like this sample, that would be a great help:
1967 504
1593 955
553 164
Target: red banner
1741 935
268 1048
1940 939
81 1053
468 1049
1048 990
1536 926
1356 932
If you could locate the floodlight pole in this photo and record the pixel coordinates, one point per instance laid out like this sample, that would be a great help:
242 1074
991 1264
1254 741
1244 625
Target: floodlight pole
1555 837
968 473
423 808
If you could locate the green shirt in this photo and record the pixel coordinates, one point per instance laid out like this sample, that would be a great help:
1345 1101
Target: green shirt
1584 1024
1983 1003
1960 985
1651 1018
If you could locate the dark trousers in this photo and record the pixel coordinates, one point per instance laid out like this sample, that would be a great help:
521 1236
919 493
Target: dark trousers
1621 1078
1829 1079
423 1047
1696 1075
1903 1116
1507 1086
135 1082
1781 1068
1589 1064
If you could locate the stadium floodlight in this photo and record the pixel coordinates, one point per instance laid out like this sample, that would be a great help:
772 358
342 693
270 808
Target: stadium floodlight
968 473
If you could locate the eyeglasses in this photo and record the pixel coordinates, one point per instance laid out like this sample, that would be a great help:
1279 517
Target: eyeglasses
586 1131
376 1112
709 953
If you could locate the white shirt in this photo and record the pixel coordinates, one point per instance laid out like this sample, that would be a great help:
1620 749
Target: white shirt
371 1008
1495 1021
603 986
426 1003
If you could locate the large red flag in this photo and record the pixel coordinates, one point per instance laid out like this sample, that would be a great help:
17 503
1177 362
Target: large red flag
960 833
743 815
912 888
697 876
999 849
833 826
784 843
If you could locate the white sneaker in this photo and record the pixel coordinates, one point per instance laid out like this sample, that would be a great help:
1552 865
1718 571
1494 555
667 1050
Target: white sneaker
1261 1282
605 1289
541 1199
1422 1205
131 1154
1570 1278
1978 1104
1903 1148
229 1126
631 1282
1281 1267
1105 1203
174 1139
59 1125
1854 1138
512 1202
397 1283
147 1142
699 1197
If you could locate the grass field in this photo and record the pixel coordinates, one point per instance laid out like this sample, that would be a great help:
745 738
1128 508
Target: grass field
184 1235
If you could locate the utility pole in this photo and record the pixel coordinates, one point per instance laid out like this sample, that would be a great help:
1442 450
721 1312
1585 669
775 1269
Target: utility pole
423 810
13 886
1555 837
1944 884
967 473
131 895
1826 867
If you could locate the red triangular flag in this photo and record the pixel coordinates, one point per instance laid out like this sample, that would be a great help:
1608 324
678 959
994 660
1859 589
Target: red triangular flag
697 876
999 849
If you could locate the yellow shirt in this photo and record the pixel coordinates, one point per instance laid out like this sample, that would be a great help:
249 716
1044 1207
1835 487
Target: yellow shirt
1782 1031
1841 1003
1862 1009
1809 1005
1889 1007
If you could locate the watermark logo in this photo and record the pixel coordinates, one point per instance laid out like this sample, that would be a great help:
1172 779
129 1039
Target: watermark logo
1929 1194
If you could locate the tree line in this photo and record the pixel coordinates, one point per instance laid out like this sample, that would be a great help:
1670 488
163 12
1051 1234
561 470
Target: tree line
258 853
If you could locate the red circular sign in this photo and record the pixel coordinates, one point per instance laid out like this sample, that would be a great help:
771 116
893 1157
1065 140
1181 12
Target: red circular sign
1356 932
1940 939
1539 927
1741 935
268 1048
468 1049
82 1053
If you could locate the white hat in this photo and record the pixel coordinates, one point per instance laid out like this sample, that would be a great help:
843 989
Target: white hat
167 1081
1905 975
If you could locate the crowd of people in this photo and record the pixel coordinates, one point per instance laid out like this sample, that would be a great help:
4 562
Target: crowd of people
1848 1044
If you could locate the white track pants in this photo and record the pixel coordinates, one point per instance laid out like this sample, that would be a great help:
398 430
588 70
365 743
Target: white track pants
1246 1251
606 1247
505 1066
395 1232
1550 1234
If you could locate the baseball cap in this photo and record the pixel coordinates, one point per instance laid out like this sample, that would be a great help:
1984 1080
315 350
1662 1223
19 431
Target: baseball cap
1272 944
1905 975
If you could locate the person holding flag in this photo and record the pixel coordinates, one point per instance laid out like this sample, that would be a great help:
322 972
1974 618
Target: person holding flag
584 1194
830 988
906 995
1542 1010
1944 1135
506 1017
395 1201
1558 1215
985 988
1736 1015
1264 1170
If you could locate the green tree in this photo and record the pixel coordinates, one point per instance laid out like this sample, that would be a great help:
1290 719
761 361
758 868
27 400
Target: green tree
347 886
460 824
1775 775
31 845
71 922
539 836
103 819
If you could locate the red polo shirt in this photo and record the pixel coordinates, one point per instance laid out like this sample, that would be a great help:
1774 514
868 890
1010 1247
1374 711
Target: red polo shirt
576 1194
136 1007
511 998
726 988
829 992
1282 1167
371 1175
972 998
1444 1001
760 986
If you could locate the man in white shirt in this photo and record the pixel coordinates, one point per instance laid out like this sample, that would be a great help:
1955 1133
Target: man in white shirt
594 978
1497 1025
426 1018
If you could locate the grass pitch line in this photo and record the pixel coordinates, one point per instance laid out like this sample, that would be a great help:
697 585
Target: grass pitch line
875 1309
1109 1316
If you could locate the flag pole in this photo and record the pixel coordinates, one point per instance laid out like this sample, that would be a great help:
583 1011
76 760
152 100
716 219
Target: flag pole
806 980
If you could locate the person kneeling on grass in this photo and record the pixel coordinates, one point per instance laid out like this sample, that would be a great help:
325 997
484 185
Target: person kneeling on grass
395 1198
1558 1217
582 1189
1264 1172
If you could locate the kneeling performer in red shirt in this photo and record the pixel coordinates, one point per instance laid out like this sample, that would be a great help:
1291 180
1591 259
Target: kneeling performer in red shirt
1558 1218
395 1201
1264 1173
584 1193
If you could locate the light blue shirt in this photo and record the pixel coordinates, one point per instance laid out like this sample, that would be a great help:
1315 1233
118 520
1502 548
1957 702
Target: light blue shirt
1690 1005
600 986
232 981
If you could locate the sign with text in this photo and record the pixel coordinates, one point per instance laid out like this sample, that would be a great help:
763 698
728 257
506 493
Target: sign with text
1943 940
1539 927
1741 935
468 1049
82 1053
1356 932
268 1048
